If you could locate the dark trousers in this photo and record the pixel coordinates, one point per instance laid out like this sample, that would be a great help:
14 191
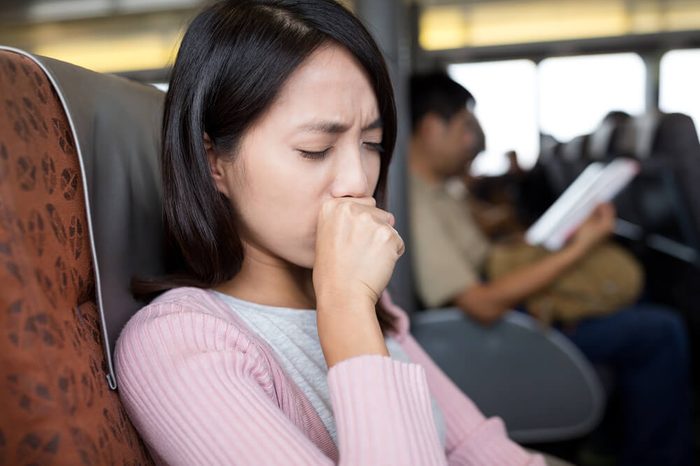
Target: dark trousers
647 348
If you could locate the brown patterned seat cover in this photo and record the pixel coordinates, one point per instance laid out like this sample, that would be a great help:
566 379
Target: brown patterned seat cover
55 406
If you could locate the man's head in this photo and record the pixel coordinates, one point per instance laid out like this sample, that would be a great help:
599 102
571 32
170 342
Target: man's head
443 125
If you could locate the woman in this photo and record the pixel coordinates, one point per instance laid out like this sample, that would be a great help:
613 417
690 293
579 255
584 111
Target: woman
279 127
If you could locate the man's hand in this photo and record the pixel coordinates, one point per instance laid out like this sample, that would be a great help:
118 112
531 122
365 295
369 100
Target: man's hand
596 228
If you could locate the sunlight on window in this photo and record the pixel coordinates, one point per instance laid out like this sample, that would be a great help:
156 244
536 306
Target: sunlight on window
679 83
577 92
506 107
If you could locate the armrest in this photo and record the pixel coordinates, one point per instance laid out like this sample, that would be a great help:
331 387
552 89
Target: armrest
533 378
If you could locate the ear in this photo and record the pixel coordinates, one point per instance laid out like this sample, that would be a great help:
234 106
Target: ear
432 126
217 166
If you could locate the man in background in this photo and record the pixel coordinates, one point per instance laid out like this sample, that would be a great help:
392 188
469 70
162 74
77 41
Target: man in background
645 346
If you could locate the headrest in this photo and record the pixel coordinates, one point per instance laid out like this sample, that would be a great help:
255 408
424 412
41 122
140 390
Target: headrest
575 150
662 134
601 140
116 126
675 135
644 129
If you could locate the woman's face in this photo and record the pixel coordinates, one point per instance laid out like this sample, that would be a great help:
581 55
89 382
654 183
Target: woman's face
320 139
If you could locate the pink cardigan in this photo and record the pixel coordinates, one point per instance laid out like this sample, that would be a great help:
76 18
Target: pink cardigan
203 389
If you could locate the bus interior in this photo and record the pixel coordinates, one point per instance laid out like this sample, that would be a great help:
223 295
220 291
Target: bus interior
558 85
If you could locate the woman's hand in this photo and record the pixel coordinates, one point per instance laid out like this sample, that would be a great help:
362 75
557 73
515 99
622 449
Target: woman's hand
356 250
596 228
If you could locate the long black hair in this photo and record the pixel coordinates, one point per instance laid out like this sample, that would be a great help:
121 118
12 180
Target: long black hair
233 61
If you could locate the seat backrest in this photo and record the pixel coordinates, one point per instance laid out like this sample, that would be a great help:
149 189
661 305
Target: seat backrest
676 140
56 407
117 129
574 157
669 196
554 167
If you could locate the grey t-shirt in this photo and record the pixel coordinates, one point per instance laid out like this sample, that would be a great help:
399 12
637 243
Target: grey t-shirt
293 335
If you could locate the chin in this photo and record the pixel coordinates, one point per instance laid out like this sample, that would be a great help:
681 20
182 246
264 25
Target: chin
304 260
308 263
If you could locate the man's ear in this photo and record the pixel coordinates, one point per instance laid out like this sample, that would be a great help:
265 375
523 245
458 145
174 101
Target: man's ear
217 166
432 126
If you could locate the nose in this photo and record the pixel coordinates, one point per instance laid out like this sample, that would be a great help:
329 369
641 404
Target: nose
350 178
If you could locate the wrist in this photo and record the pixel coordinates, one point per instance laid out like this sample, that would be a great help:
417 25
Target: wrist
349 330
344 301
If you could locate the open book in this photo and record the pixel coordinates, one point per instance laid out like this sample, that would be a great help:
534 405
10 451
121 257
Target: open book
597 184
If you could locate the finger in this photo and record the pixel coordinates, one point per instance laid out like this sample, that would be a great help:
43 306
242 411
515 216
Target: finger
330 204
609 210
606 208
386 217
400 245
366 201
391 220
379 215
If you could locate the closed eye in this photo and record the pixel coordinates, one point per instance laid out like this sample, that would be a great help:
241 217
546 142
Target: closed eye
314 155
318 155
375 146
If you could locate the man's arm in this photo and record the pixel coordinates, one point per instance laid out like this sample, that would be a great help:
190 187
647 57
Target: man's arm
487 302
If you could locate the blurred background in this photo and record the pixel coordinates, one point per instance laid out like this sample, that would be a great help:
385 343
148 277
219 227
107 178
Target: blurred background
542 57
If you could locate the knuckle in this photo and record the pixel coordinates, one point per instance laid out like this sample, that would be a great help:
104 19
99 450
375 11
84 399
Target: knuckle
346 208
385 233
401 246
329 205
364 216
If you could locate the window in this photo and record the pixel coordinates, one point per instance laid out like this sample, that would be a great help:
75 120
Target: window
678 83
577 92
506 107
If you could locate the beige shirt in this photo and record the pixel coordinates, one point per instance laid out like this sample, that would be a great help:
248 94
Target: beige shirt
447 246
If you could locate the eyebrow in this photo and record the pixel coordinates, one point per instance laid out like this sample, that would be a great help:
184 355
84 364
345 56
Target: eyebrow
336 128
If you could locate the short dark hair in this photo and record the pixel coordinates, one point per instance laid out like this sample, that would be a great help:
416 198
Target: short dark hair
233 61
436 92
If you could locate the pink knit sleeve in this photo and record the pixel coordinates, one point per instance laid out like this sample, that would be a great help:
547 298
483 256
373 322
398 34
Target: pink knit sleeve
199 394
471 438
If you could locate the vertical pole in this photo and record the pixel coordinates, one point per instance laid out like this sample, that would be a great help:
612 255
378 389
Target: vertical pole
652 62
387 21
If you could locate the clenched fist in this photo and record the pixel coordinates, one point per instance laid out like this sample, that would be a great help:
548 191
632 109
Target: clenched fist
356 250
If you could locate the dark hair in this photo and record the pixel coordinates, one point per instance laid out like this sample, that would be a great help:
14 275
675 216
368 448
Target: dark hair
233 61
436 92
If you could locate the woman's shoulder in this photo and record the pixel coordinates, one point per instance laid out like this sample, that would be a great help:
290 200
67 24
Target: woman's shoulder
184 295
186 333
181 300
183 316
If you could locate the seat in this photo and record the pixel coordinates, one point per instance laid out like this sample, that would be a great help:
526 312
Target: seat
604 141
56 405
575 157
555 168
676 142
661 200
79 216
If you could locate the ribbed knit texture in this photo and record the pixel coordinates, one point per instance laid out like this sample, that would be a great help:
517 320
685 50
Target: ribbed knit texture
202 389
